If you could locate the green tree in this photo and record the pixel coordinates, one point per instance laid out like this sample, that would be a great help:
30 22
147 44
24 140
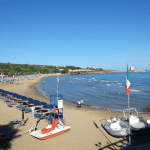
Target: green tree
55 70
65 71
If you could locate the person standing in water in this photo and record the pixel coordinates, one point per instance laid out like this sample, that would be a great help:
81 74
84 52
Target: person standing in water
81 102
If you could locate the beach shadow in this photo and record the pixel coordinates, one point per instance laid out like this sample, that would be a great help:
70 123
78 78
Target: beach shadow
110 144
78 106
10 135
140 138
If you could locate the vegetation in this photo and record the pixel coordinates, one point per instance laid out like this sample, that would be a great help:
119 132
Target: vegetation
11 69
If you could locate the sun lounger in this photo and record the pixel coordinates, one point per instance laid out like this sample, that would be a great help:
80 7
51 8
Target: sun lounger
14 103
19 106
17 122
8 104
40 116
27 110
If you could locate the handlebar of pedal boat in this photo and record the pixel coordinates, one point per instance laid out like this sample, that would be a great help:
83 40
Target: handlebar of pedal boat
128 110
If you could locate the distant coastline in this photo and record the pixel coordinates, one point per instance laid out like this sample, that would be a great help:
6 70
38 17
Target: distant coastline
106 71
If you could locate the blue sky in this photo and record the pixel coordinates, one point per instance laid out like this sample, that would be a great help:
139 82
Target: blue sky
106 34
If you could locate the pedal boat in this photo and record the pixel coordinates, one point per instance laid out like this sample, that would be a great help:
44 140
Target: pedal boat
52 130
116 127
137 122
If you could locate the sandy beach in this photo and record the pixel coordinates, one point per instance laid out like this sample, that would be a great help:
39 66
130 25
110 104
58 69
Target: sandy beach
84 134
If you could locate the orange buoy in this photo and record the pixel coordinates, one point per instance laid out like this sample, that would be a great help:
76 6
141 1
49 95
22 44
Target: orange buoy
54 110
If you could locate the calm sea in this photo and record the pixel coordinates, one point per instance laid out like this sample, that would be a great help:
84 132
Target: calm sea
100 90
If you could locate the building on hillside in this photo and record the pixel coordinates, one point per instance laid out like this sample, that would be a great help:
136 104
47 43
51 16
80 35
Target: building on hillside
131 68
1 74
94 68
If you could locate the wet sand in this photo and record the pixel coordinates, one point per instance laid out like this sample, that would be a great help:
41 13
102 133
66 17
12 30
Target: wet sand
86 132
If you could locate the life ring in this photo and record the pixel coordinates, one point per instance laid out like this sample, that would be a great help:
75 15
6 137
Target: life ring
54 110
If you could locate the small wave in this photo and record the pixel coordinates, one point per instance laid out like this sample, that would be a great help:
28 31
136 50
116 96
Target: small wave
135 90
121 86
90 81
93 87
104 81
109 85
114 81
93 78
94 106
119 83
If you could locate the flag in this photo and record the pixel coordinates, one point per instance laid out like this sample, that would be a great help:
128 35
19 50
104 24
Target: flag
127 82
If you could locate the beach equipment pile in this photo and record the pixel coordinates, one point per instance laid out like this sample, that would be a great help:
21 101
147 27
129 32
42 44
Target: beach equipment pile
55 119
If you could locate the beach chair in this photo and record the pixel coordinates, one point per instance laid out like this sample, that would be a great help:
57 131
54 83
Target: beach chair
18 106
41 116
22 108
13 103
22 123
36 115
8 104
27 110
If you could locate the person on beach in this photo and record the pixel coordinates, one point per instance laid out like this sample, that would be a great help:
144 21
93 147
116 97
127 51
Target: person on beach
81 102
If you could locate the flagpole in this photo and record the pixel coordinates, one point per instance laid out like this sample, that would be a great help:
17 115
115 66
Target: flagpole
129 119
129 113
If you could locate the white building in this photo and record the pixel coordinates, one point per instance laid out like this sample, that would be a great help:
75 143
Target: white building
1 74
132 68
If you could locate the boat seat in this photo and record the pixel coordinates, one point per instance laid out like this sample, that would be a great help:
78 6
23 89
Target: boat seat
133 119
115 126
135 122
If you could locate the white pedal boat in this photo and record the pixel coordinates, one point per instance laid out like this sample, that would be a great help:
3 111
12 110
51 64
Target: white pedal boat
52 130
136 121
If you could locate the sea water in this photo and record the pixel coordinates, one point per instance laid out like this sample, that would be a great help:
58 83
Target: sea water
100 90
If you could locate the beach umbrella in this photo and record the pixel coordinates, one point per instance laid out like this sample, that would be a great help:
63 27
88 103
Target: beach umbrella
48 106
43 103
30 101
24 98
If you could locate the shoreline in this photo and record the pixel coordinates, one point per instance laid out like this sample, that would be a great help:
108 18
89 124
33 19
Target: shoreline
73 103
83 134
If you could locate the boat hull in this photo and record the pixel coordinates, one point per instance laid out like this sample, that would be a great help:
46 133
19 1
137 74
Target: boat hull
53 135
57 131
116 129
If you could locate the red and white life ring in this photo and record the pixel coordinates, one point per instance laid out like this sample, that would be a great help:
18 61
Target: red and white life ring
54 110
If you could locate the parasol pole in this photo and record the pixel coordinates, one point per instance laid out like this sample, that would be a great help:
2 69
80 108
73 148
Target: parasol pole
57 85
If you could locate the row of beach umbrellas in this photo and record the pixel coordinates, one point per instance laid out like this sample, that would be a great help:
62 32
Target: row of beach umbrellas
24 99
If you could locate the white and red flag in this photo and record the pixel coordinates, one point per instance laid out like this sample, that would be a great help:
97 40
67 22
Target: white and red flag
127 82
